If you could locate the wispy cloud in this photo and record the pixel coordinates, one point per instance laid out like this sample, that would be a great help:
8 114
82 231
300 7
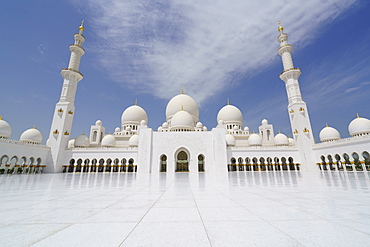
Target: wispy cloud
158 47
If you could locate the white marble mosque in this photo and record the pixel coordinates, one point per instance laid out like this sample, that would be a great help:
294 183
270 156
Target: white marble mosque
182 143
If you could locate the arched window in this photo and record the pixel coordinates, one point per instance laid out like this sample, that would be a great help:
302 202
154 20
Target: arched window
86 165
116 163
131 165
339 163
109 165
232 166
291 164
269 164
240 164
163 161
347 162
262 164
95 134
277 164
255 164
200 163
283 163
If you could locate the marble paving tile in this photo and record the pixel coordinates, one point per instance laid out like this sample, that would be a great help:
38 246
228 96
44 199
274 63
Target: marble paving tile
89 234
172 214
168 234
247 233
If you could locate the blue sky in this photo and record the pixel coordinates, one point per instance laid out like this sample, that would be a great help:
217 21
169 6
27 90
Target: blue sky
149 50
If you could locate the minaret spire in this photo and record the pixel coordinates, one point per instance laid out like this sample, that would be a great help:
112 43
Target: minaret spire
297 108
64 110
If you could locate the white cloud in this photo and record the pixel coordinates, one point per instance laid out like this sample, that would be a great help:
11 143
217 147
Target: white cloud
205 46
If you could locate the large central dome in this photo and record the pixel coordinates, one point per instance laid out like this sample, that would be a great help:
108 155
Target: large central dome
185 102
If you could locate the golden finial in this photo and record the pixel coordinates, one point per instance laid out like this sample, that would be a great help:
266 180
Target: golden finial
182 107
228 101
327 125
280 29
279 132
358 116
34 127
81 28
136 102
1 117
182 90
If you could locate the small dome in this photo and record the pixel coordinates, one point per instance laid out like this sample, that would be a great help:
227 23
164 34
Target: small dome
5 129
255 140
143 123
230 113
108 141
246 128
230 140
199 125
205 128
128 128
82 141
329 134
236 127
359 126
71 143
291 141
32 136
134 114
165 125
160 128
182 101
220 122
117 129
264 122
134 141
98 123
182 119
281 140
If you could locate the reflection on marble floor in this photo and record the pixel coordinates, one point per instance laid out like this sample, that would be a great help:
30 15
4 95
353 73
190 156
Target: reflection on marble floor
185 209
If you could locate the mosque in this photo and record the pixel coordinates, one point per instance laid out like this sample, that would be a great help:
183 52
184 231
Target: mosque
182 143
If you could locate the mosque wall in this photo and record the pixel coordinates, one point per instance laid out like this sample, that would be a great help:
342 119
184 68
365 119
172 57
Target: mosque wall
192 143
15 154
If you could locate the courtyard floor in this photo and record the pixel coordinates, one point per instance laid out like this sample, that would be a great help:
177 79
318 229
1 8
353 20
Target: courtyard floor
289 208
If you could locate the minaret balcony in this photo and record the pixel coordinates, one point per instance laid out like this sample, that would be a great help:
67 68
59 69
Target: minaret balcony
292 73
71 73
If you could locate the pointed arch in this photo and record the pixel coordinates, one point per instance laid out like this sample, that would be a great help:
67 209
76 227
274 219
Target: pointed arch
182 157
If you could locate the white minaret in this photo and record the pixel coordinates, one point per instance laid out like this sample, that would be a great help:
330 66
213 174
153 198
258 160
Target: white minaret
298 112
64 109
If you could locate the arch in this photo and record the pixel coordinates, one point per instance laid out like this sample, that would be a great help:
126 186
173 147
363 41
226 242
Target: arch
79 165
330 161
182 161
123 166
71 165
339 162
22 164
200 163
240 164
116 165
323 162
93 165
269 163
163 163
366 156
38 165
247 164
86 165
277 164
232 166
3 161
101 165
31 162
291 164
347 162
356 161
131 165
255 164
109 165
283 164
262 164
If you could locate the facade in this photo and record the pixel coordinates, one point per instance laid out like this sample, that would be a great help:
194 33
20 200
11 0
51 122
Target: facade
182 143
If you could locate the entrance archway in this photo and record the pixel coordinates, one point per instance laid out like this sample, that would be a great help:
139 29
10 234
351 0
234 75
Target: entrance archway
182 162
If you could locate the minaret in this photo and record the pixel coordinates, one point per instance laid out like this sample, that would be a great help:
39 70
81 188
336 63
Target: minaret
64 109
297 108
